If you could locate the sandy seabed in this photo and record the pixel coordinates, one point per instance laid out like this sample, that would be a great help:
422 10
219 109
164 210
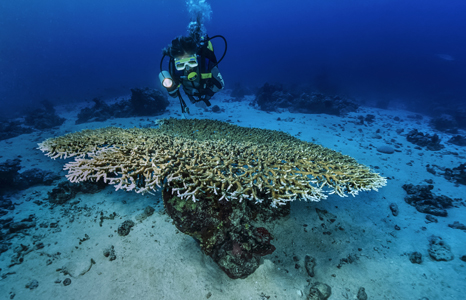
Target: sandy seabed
362 248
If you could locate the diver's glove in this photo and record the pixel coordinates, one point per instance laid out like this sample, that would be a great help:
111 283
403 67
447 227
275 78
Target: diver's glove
208 92
173 93
206 99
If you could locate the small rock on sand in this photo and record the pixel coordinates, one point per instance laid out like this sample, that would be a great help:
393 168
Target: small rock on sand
386 149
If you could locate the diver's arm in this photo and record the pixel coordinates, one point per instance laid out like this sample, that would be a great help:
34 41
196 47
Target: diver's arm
217 79
173 92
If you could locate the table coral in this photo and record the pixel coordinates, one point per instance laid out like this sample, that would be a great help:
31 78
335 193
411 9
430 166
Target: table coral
207 156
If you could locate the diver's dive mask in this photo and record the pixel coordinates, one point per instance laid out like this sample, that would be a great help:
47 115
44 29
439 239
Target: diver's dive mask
182 63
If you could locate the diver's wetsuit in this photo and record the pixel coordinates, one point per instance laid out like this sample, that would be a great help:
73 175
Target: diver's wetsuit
193 88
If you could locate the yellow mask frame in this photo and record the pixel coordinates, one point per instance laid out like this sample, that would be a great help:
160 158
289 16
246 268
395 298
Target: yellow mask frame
181 63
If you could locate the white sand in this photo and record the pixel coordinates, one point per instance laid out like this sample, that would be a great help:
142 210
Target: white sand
155 261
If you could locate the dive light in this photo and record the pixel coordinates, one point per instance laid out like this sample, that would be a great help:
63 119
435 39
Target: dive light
165 79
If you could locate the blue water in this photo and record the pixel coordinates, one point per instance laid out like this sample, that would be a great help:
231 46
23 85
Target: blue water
398 54
64 51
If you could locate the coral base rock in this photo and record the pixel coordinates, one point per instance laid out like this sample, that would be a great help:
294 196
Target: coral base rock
226 230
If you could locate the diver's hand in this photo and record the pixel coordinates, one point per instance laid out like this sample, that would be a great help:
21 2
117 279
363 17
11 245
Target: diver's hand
209 93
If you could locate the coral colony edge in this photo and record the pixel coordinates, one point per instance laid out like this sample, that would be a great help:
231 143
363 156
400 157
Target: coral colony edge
218 180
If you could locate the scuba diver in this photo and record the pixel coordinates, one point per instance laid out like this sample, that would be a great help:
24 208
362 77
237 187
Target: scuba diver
194 66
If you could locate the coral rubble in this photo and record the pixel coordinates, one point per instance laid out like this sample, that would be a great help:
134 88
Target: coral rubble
445 123
273 97
459 140
431 142
10 129
421 197
143 102
66 191
456 174
44 118
11 179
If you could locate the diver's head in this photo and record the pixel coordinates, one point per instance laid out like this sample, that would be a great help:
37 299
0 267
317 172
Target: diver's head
183 50
181 46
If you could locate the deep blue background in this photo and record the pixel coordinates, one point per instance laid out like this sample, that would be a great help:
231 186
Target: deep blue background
72 50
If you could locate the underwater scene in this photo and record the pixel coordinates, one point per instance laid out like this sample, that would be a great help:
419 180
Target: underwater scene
233 150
